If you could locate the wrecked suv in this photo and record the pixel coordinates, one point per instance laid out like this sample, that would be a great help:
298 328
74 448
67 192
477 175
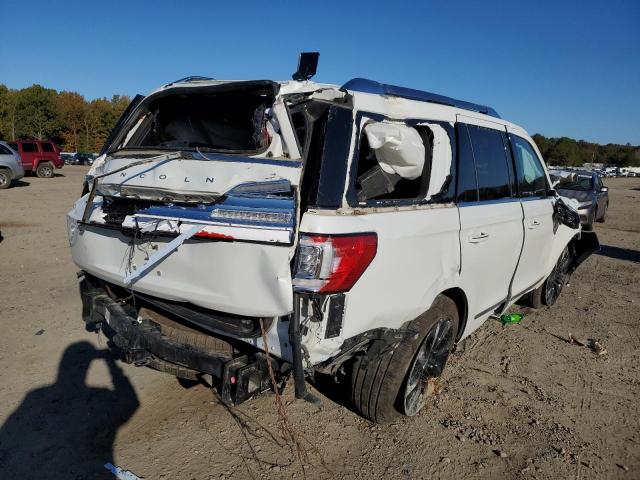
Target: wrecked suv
242 232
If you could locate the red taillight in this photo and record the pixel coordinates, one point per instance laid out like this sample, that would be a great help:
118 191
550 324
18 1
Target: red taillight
333 263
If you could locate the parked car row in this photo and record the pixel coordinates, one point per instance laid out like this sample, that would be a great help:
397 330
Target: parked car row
78 158
41 157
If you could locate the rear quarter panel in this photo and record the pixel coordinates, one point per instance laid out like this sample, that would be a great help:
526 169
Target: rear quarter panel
418 256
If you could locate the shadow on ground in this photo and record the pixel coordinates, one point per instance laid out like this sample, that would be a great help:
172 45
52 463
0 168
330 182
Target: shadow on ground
67 429
19 183
620 253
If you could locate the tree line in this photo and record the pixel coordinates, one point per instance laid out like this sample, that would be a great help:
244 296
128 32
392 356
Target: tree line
570 152
80 125
64 117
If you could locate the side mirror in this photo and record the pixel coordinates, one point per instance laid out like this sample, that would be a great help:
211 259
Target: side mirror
604 189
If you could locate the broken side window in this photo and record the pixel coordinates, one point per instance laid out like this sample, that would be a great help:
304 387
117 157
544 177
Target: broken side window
401 162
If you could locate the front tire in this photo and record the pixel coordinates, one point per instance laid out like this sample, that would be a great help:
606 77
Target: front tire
44 170
389 380
5 178
556 280
604 214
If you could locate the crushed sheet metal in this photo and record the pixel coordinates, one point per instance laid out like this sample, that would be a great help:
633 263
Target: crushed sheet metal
398 148
197 177
161 254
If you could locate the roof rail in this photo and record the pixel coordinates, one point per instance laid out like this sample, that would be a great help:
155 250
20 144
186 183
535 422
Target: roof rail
371 86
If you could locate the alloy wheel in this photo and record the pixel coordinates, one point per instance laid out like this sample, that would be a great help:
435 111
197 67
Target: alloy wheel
428 362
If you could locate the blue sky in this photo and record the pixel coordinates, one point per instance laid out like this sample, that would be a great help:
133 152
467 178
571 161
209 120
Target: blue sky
558 68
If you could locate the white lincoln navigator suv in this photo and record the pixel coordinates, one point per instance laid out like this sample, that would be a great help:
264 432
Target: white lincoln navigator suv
230 228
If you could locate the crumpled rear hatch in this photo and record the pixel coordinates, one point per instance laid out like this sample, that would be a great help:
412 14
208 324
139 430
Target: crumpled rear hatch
237 220
183 212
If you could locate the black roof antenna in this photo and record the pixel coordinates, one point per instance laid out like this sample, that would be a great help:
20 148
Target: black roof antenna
307 65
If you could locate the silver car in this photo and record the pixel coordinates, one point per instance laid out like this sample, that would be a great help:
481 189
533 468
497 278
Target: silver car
592 196
10 166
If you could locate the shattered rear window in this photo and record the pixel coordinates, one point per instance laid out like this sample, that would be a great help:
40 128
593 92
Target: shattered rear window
231 121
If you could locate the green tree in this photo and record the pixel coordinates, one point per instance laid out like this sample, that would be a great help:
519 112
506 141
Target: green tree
7 113
70 112
632 158
36 112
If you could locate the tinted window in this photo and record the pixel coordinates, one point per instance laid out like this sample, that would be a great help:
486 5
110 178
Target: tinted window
532 181
47 147
29 147
492 163
4 150
467 185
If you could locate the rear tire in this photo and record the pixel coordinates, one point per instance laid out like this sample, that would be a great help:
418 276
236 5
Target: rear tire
44 170
5 178
390 380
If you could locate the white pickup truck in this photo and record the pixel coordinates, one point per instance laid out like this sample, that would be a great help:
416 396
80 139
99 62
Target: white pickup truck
358 231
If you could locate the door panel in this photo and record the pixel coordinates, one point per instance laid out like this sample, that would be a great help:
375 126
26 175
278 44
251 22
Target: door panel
491 230
28 154
537 206
490 242
538 230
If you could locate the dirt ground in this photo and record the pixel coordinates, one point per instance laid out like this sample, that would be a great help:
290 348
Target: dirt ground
519 402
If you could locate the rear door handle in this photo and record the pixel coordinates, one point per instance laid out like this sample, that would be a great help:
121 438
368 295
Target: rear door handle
481 237
534 224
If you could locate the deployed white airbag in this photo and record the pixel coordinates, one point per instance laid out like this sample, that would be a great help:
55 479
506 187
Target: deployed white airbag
398 148
441 159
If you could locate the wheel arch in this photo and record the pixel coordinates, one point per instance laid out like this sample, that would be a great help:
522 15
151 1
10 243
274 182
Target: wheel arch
460 299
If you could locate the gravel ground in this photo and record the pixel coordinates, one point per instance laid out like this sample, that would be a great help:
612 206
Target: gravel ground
519 402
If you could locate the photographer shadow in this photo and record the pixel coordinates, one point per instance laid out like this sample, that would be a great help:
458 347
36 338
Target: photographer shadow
67 429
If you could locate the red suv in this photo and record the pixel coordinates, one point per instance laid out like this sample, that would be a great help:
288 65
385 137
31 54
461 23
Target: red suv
40 156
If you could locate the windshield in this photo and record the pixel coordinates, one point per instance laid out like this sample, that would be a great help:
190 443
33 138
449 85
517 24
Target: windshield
582 183
227 121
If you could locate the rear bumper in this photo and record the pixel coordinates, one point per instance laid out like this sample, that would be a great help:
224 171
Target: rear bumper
141 342
18 172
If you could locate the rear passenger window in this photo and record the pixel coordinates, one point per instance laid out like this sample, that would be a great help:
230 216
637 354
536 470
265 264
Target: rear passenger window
531 178
5 151
492 163
467 184
47 147
29 147
395 162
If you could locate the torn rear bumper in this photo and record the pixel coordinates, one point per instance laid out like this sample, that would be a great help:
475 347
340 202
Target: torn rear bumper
238 375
